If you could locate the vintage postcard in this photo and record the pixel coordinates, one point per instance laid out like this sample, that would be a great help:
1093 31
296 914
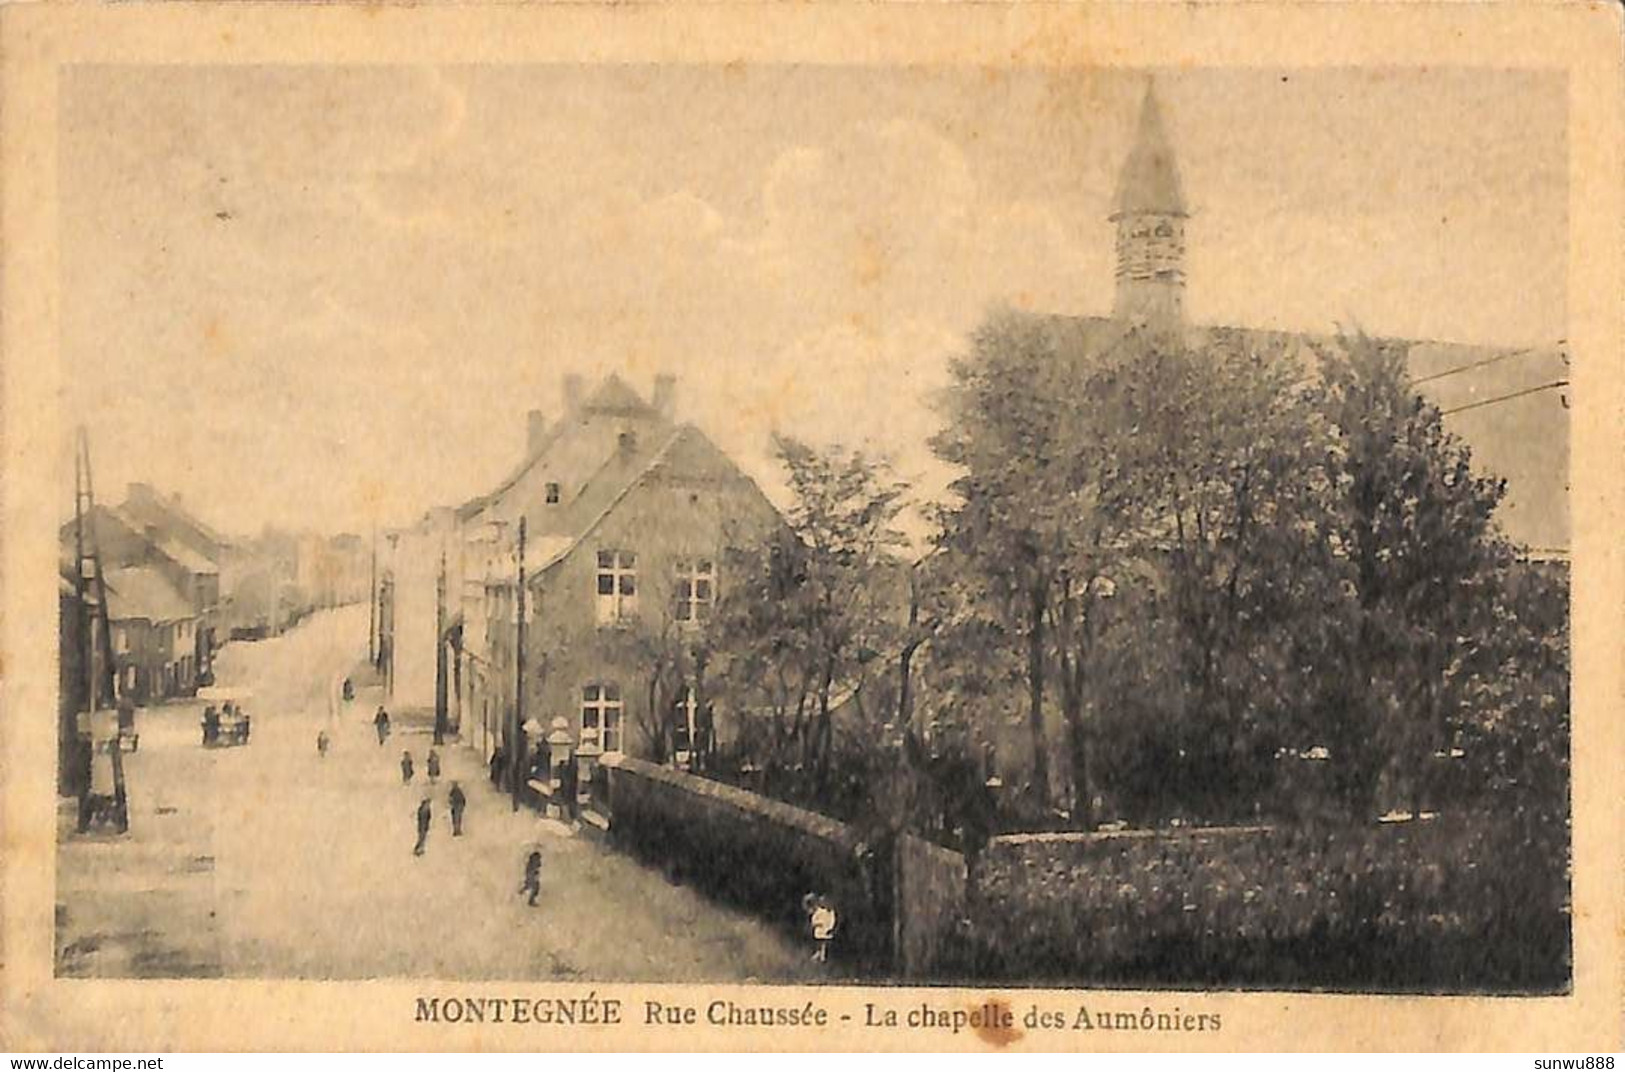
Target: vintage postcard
1067 527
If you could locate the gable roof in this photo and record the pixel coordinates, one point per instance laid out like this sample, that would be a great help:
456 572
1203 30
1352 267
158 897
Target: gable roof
686 449
143 592
614 396
577 447
108 524
103 524
190 560
610 444
150 506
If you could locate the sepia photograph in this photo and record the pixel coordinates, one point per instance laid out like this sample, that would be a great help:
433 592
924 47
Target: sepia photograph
833 546
816 525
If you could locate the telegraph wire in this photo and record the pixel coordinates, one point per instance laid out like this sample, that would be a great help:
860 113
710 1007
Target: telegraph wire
1505 398
1476 364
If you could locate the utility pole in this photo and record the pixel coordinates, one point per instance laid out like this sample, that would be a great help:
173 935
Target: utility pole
516 742
372 599
98 637
440 652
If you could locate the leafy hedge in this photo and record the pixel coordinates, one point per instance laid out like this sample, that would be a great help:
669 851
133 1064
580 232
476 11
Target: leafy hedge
1467 903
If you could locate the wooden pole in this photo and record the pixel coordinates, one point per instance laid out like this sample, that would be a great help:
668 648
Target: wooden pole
372 600
516 742
101 641
440 667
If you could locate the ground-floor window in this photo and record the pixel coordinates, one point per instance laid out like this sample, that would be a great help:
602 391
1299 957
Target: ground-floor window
601 710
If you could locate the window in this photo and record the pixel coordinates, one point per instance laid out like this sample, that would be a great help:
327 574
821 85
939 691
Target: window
685 726
696 589
601 710
552 493
121 640
617 587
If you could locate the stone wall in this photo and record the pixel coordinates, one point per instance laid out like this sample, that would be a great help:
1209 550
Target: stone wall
1470 901
753 852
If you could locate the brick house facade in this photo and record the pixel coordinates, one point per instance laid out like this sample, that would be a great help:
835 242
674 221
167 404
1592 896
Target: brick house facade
628 517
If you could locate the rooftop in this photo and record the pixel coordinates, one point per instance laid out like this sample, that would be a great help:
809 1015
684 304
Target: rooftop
142 592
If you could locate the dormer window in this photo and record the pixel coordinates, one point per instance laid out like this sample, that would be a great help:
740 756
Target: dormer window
552 493
629 441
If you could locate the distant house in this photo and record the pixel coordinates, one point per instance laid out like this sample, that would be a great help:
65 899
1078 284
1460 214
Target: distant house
264 596
331 571
154 636
628 516
148 538
169 516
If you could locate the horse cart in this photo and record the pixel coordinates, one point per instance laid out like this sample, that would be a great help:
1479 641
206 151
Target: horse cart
226 722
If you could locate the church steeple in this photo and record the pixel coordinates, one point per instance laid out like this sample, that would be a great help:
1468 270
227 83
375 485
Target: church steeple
1149 211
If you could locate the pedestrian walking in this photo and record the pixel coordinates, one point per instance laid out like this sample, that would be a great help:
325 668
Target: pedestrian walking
425 816
458 802
498 762
533 875
821 921
380 722
433 766
322 743
406 768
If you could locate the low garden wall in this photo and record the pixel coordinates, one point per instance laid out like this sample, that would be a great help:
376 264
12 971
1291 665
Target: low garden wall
753 852
931 888
1469 902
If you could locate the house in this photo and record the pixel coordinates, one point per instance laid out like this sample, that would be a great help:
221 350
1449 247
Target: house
154 635
151 539
413 604
331 570
263 597
627 513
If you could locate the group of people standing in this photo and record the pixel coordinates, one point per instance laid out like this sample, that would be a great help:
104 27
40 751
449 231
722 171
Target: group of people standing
456 800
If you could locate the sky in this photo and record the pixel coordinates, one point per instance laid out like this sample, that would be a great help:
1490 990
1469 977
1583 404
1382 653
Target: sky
326 297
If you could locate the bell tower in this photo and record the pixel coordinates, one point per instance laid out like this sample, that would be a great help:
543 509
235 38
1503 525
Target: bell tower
1149 211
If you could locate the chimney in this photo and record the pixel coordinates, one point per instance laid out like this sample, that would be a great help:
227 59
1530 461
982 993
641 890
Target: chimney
572 392
665 396
535 431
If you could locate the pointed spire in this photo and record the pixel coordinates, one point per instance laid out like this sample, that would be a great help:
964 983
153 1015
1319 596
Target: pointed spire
1149 182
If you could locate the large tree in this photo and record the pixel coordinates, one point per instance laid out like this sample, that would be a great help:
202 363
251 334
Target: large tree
1131 467
812 613
1426 568
1042 519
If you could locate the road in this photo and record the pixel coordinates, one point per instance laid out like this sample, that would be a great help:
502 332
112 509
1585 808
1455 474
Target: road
270 861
